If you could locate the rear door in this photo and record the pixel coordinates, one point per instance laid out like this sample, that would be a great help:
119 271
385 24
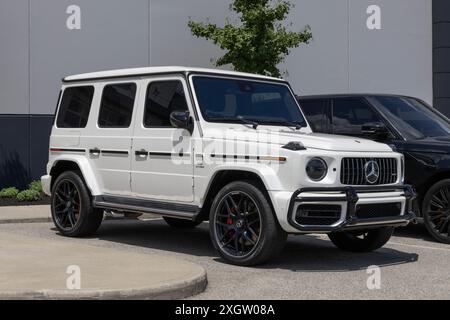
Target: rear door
108 137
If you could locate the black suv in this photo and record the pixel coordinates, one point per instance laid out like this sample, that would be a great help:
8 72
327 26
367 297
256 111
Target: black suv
411 127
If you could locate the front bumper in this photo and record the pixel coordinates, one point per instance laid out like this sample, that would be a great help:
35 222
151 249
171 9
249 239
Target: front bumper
349 198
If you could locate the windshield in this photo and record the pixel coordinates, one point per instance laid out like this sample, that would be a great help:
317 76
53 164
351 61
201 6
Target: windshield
246 101
413 118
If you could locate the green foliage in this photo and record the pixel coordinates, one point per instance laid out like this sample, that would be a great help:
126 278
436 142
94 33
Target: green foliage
29 195
9 193
36 185
260 42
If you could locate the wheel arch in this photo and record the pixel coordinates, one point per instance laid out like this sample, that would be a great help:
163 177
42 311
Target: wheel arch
70 164
223 177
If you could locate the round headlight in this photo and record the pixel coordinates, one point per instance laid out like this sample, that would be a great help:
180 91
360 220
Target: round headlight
316 169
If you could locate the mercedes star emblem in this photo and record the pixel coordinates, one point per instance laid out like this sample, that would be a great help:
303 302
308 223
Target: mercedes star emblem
371 171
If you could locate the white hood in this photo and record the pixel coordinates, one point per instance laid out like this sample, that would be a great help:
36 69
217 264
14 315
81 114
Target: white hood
309 140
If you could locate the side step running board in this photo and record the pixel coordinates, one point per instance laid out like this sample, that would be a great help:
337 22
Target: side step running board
181 211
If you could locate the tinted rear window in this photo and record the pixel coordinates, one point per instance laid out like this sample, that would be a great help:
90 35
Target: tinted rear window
75 107
116 108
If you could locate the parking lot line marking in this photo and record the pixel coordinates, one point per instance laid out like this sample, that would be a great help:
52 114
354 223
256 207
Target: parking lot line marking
417 246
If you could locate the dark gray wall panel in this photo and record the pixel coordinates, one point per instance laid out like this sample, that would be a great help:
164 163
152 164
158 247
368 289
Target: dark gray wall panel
443 104
114 34
14 152
40 129
441 10
442 85
441 59
14 57
441 55
23 148
441 34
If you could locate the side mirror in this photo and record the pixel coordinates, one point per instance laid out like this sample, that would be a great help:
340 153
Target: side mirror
376 131
182 120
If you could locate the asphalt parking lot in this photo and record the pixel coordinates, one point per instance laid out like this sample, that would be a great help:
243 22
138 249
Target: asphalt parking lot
412 265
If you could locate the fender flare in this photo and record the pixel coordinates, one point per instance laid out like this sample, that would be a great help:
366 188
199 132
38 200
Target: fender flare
267 175
86 170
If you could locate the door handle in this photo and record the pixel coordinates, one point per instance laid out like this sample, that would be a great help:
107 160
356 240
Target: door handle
141 153
95 151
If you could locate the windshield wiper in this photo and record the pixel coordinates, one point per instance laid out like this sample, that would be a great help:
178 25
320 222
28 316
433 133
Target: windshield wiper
253 123
289 124
238 119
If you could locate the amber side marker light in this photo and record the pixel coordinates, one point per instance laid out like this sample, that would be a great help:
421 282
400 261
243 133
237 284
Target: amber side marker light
271 158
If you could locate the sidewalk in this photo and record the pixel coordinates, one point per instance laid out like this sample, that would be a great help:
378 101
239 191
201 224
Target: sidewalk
32 214
35 268
25 214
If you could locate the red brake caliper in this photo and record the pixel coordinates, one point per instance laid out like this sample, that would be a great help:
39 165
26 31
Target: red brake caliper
229 219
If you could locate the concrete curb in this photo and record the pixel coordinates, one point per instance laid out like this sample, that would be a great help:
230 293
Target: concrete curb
25 214
41 214
171 290
25 220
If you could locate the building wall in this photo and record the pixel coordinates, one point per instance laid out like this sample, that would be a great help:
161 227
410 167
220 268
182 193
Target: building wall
441 54
37 49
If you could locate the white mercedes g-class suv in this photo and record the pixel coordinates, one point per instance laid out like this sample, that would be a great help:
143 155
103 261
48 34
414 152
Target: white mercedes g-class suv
230 148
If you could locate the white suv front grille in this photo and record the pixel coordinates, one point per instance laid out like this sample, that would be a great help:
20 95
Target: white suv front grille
363 171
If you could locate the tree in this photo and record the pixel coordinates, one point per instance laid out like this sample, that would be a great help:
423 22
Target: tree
259 42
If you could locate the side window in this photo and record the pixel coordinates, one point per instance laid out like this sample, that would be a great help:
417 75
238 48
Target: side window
163 97
116 108
350 114
315 111
75 106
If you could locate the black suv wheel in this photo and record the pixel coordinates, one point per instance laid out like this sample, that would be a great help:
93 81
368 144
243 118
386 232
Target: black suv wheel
436 211
361 240
71 206
243 226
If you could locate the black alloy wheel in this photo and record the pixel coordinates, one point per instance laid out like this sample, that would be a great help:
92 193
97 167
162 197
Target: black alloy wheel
72 211
66 204
436 211
238 223
243 225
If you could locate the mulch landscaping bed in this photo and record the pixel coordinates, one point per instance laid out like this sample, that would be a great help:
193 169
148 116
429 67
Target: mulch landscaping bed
6 202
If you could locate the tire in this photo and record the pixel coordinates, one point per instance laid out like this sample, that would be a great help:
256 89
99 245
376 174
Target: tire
436 211
361 240
71 206
181 223
242 224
